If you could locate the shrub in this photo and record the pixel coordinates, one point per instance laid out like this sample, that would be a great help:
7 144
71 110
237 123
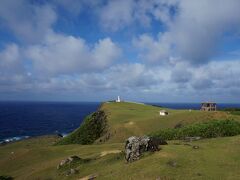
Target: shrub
6 178
178 125
91 129
231 109
234 111
211 129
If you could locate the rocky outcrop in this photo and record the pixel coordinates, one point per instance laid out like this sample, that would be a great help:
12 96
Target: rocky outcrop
70 165
135 146
89 177
69 160
190 139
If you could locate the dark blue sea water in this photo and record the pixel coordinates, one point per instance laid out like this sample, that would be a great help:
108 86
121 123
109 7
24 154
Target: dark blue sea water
20 120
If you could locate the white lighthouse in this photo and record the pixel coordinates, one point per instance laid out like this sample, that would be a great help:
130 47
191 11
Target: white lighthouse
118 99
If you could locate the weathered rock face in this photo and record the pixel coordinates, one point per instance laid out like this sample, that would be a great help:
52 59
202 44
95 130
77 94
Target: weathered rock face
135 146
73 171
154 143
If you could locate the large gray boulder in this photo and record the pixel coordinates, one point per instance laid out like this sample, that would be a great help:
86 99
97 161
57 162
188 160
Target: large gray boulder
135 146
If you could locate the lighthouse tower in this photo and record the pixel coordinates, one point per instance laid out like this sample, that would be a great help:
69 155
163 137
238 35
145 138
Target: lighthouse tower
118 99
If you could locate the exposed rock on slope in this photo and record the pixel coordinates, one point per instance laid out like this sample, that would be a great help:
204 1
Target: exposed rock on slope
135 146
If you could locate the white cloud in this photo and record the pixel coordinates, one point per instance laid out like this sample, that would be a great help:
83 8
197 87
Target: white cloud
221 74
200 25
116 14
160 83
10 58
28 22
213 81
12 72
181 73
177 62
127 77
131 76
61 54
151 50
76 7
194 34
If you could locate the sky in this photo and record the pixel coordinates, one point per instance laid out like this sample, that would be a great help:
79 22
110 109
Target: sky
141 50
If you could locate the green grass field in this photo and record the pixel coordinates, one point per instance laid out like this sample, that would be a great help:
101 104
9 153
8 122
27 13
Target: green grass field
128 119
216 158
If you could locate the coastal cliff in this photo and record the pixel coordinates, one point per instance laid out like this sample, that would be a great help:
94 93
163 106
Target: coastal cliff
39 158
92 128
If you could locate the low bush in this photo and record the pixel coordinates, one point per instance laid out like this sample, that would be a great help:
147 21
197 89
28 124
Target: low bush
6 178
231 109
211 129
92 128
234 111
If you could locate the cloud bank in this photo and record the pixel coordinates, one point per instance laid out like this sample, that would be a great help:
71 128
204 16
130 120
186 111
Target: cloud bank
156 50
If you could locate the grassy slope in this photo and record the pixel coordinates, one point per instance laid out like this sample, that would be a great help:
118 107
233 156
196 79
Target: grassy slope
128 119
217 158
92 128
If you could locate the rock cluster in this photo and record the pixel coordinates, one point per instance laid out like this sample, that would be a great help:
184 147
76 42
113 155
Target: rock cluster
172 163
67 165
71 171
69 160
190 139
135 146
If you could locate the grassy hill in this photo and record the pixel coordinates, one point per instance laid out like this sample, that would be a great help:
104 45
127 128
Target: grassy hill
216 158
127 119
92 128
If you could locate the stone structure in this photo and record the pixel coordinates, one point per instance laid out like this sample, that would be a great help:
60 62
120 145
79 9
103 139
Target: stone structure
135 146
209 106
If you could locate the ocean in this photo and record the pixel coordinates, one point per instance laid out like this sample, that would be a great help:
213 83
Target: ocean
20 120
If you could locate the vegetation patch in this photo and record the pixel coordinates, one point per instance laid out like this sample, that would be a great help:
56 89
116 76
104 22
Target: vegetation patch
6 178
113 158
69 166
234 111
211 129
73 164
92 128
104 153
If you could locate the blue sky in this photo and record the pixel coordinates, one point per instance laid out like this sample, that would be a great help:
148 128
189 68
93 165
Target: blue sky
142 50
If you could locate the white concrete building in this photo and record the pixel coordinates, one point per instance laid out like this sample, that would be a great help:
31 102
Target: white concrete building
118 99
163 113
